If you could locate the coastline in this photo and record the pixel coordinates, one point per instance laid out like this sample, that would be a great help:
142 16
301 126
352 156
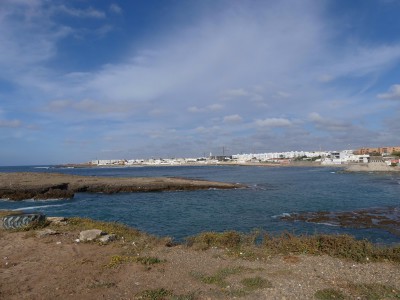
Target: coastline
31 185
52 262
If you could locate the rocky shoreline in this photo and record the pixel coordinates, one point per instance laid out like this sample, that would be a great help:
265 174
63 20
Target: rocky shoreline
42 186
371 167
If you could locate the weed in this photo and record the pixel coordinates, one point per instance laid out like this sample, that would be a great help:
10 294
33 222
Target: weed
255 283
219 277
117 260
206 240
374 291
156 294
190 296
329 294
341 246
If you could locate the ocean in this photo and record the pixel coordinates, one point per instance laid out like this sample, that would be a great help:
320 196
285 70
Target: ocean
271 193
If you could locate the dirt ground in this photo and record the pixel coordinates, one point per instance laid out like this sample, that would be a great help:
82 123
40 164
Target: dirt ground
58 267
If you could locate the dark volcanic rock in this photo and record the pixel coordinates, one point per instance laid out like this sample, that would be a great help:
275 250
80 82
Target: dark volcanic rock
386 218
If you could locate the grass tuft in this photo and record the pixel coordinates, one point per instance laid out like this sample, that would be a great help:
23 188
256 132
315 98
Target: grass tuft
219 277
374 291
117 260
206 240
156 294
256 283
255 245
329 294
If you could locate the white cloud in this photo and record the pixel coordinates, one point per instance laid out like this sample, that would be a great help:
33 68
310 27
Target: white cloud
392 94
329 124
273 122
281 94
215 107
234 93
262 61
195 109
10 123
233 119
115 8
80 13
325 78
208 108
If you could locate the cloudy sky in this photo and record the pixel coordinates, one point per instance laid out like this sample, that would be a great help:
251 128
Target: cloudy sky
83 80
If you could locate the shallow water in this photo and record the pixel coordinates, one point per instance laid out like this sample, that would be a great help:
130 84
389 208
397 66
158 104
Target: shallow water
271 193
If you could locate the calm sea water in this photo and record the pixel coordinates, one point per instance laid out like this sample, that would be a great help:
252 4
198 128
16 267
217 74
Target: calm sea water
272 192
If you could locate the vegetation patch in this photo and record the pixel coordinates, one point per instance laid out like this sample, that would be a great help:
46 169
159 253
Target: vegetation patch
219 277
206 240
374 291
117 260
102 284
156 294
256 283
341 246
258 244
329 294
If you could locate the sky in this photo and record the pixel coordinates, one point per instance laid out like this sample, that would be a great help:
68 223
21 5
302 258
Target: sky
83 80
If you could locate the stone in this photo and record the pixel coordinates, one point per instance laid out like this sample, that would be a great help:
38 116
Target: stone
108 238
46 232
57 220
90 235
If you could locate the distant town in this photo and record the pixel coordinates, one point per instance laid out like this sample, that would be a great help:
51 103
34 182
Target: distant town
383 155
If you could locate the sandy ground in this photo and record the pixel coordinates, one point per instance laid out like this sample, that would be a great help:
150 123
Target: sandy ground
57 267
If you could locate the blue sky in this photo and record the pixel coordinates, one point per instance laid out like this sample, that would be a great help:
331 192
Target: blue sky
81 79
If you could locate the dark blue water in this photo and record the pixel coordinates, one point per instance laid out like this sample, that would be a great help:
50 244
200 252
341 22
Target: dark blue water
272 192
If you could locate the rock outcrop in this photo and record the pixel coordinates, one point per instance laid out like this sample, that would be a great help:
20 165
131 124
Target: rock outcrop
20 186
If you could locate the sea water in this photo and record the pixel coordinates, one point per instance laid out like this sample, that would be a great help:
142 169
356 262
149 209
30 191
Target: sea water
271 193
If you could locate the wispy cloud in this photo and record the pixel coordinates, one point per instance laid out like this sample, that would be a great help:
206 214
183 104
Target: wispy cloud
10 123
115 8
273 122
233 119
216 80
80 13
392 94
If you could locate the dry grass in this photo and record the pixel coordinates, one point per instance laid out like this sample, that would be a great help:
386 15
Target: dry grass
117 260
261 245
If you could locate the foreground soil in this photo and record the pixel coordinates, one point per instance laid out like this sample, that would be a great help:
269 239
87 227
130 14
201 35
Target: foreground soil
56 266
19 186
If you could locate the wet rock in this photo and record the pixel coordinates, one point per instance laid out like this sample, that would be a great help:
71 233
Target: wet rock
386 218
90 235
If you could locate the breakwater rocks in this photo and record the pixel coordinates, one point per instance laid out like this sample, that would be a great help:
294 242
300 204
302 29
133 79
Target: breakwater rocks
20 186
371 167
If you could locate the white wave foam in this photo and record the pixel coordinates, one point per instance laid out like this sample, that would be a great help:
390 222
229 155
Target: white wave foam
328 224
38 207
281 215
